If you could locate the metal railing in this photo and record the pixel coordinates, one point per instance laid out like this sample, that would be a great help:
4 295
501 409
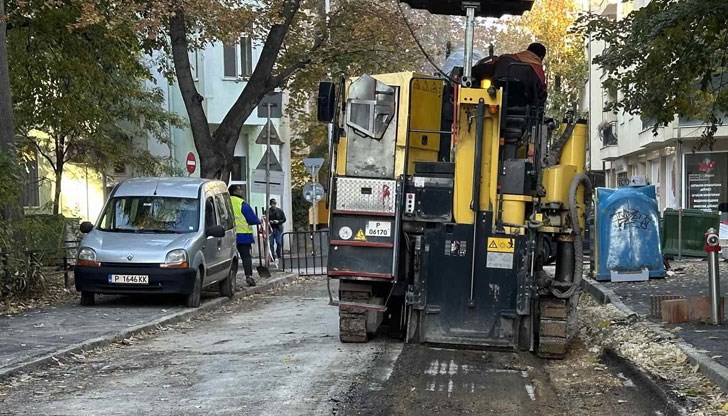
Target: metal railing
307 254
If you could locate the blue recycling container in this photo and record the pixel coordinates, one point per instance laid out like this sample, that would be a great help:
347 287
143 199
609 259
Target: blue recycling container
627 236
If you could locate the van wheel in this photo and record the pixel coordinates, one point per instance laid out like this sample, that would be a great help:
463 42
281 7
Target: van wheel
193 299
227 286
88 298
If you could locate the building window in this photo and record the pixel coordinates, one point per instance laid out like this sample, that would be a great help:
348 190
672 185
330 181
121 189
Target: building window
238 59
239 173
31 184
195 65
647 122
622 179
240 169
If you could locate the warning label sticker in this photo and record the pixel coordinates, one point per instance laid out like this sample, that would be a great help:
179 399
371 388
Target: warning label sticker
501 245
360 236
497 260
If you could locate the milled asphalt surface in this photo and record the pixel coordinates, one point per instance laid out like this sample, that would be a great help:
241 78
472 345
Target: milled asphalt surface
35 337
704 343
277 354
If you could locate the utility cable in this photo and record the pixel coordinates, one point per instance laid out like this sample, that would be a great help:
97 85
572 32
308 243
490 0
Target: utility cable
419 45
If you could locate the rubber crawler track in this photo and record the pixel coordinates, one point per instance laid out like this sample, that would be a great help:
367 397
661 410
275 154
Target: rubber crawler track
353 322
553 339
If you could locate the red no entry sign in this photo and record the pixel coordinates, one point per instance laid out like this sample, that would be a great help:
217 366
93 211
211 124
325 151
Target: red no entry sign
191 163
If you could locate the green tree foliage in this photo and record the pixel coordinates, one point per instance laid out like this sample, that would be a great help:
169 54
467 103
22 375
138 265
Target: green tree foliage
79 91
549 23
299 42
666 59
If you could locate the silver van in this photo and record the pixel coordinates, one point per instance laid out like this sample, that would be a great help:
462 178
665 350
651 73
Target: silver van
160 235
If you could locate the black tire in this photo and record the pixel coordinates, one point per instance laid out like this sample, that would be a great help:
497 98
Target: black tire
227 286
88 298
193 299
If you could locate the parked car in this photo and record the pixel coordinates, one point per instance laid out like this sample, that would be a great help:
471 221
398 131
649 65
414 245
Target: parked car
160 235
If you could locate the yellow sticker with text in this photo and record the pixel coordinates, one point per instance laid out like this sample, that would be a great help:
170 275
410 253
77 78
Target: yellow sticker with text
360 236
501 245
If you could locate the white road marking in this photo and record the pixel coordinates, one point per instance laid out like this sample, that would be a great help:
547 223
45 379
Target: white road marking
452 368
443 368
432 369
531 392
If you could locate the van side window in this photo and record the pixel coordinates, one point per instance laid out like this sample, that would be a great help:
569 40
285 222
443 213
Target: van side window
224 212
209 213
229 205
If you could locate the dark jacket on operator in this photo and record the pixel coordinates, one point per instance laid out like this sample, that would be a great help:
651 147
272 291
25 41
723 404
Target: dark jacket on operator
530 75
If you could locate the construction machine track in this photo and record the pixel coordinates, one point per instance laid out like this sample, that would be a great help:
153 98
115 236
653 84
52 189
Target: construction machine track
554 327
353 321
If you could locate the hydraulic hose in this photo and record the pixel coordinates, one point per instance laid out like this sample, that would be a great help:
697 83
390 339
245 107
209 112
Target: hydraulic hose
579 179
554 154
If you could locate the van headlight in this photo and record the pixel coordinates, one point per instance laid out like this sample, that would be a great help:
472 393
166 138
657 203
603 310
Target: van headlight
87 257
176 259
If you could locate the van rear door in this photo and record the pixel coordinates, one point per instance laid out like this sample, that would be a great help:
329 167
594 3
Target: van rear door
213 245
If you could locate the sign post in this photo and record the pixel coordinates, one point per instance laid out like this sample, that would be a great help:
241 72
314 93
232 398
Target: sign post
269 102
313 164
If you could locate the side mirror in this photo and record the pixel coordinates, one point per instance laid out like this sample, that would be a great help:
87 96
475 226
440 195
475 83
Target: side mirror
86 227
215 231
326 101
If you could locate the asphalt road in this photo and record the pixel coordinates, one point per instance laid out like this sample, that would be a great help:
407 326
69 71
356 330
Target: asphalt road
279 354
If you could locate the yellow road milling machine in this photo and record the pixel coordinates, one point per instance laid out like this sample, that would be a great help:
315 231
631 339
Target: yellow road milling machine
442 193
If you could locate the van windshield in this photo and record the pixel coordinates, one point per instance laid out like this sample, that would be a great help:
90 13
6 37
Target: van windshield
151 214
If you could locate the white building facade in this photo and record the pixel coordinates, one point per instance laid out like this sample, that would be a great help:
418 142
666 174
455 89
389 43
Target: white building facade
221 73
624 145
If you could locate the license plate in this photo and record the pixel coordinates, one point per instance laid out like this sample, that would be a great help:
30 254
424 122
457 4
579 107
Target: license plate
129 279
378 229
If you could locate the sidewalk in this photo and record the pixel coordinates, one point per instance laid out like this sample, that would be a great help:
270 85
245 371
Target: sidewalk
34 338
704 344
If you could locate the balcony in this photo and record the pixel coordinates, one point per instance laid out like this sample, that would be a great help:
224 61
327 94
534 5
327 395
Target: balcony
609 153
605 7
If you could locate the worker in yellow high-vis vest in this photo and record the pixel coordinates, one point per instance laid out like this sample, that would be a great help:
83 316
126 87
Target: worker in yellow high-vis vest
245 218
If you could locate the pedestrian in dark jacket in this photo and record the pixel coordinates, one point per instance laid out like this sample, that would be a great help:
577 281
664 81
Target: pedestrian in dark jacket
245 218
276 218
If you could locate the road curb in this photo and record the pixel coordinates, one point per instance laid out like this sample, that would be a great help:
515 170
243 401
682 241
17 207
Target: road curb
715 372
645 379
78 348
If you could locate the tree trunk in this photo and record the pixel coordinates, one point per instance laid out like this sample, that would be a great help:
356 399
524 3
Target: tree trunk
57 192
211 156
10 212
7 135
58 171
216 151
261 81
